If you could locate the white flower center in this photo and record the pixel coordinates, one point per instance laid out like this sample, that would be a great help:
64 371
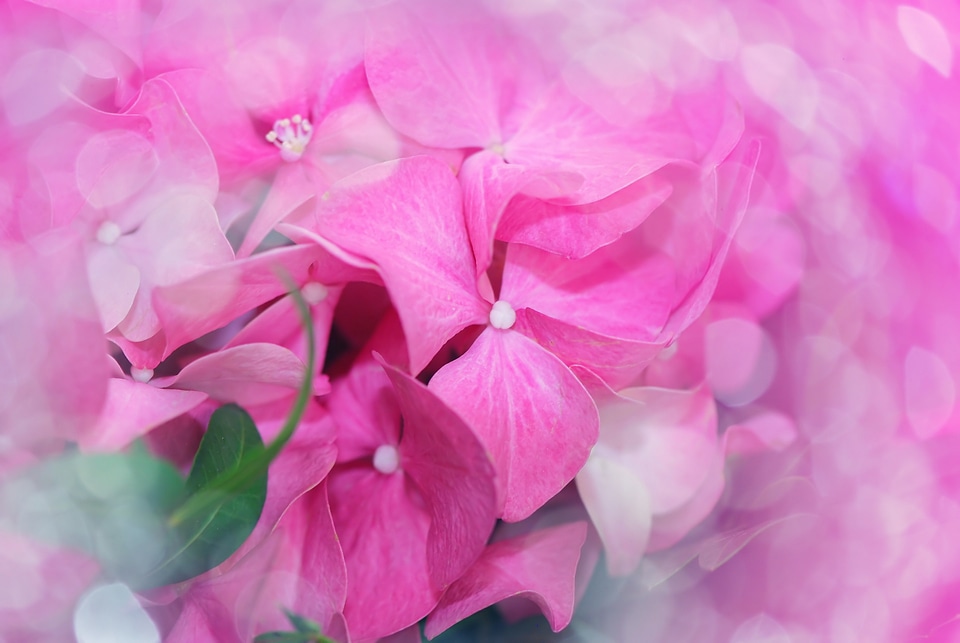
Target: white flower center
141 375
291 136
502 315
386 459
313 292
108 233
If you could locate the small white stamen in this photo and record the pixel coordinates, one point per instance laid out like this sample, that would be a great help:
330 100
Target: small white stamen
108 233
290 136
502 315
313 292
386 459
142 375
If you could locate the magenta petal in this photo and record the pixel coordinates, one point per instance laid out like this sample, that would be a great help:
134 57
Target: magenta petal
442 455
132 409
419 244
248 375
535 418
575 231
540 566
383 529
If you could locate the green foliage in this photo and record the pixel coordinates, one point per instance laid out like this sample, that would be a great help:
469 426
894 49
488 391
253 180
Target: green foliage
304 631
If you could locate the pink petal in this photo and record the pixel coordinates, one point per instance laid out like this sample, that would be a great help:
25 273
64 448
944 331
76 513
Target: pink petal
559 132
540 566
132 409
302 465
535 418
248 375
280 324
733 180
618 291
488 184
575 231
618 361
383 529
217 296
450 466
226 125
365 410
437 71
419 244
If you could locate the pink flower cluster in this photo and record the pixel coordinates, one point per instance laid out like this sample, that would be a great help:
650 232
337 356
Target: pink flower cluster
599 290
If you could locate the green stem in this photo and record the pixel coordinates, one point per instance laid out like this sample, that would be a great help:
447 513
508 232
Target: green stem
252 467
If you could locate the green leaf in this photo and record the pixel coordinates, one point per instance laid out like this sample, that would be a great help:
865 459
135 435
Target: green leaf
208 537
114 506
302 624
306 631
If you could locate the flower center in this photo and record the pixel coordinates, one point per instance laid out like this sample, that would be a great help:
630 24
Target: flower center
108 233
386 459
502 315
313 292
141 375
291 136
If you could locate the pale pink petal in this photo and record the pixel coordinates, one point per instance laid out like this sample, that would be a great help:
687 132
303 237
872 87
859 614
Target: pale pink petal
39 588
540 566
132 409
765 431
114 282
535 418
383 529
619 508
249 374
575 231
437 71
419 244
49 326
177 241
292 186
449 464
668 437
